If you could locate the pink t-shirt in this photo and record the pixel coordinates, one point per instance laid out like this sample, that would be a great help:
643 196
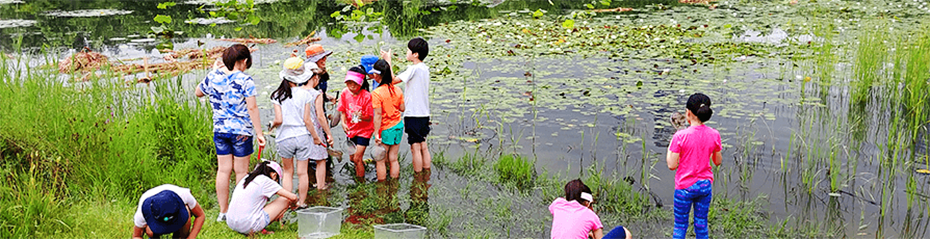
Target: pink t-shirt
350 103
695 145
570 219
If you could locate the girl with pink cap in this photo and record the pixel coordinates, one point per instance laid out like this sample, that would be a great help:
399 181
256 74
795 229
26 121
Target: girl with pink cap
357 115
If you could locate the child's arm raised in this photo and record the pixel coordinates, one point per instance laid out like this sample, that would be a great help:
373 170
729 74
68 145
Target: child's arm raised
321 117
308 114
672 159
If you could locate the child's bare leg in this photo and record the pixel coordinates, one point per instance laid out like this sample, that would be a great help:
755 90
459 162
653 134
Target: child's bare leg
381 169
303 181
321 174
427 158
357 158
276 208
287 179
395 166
416 157
225 165
241 167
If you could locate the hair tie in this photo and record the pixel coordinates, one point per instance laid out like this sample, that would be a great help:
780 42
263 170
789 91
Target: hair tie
587 196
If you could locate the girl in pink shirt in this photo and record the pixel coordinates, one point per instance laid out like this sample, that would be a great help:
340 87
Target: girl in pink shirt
689 152
355 107
572 216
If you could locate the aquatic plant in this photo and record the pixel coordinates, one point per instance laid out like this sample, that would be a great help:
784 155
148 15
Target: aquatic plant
516 170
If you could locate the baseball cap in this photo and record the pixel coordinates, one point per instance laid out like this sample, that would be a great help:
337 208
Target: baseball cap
368 61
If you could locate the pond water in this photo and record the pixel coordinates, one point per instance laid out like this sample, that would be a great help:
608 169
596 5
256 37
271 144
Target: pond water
794 139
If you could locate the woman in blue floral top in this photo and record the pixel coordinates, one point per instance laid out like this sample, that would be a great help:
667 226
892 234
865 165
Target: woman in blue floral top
235 118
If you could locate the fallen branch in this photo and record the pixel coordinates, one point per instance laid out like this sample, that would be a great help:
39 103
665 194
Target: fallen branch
619 9
306 40
251 40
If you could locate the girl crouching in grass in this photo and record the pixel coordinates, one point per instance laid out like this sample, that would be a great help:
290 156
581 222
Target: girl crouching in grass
249 210
573 216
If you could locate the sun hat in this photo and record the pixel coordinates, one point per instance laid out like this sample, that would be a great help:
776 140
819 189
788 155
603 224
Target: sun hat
315 52
295 71
356 77
164 212
368 61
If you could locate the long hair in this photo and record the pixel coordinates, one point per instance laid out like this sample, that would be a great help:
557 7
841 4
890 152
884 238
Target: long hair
386 78
361 70
236 53
699 105
573 190
283 92
260 169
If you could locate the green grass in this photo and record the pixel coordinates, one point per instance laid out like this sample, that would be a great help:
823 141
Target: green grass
515 170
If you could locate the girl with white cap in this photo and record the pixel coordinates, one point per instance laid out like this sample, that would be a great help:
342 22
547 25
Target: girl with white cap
249 210
293 108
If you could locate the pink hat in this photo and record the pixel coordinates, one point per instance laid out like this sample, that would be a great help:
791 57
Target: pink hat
277 168
356 77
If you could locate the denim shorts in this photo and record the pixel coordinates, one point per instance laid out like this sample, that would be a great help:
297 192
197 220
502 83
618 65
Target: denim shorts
235 144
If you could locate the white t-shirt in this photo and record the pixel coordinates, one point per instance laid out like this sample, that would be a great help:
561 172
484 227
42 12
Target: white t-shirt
292 114
184 193
416 96
245 209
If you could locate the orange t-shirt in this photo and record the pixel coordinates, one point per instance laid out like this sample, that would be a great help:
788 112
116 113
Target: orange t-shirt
389 104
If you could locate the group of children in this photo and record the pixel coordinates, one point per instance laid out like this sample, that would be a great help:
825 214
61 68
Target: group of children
383 114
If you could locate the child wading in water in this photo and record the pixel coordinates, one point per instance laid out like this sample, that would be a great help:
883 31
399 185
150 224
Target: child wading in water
249 212
355 107
388 103
416 95
293 111
235 118
689 153
572 216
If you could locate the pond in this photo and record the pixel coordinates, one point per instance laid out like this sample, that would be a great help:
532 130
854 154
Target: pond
818 135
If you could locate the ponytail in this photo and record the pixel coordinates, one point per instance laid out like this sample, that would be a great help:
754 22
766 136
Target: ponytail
260 169
699 105
387 79
283 92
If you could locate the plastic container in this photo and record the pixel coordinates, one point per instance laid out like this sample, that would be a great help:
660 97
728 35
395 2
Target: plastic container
319 222
399 231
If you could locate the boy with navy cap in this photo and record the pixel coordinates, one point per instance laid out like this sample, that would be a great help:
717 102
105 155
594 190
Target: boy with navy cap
167 209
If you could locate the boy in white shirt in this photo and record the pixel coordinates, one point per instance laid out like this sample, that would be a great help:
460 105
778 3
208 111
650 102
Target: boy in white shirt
416 97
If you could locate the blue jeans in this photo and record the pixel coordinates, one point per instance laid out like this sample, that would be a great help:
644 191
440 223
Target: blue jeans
698 195
616 233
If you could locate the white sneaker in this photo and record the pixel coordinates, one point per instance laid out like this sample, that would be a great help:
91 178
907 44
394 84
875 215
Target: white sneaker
221 217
